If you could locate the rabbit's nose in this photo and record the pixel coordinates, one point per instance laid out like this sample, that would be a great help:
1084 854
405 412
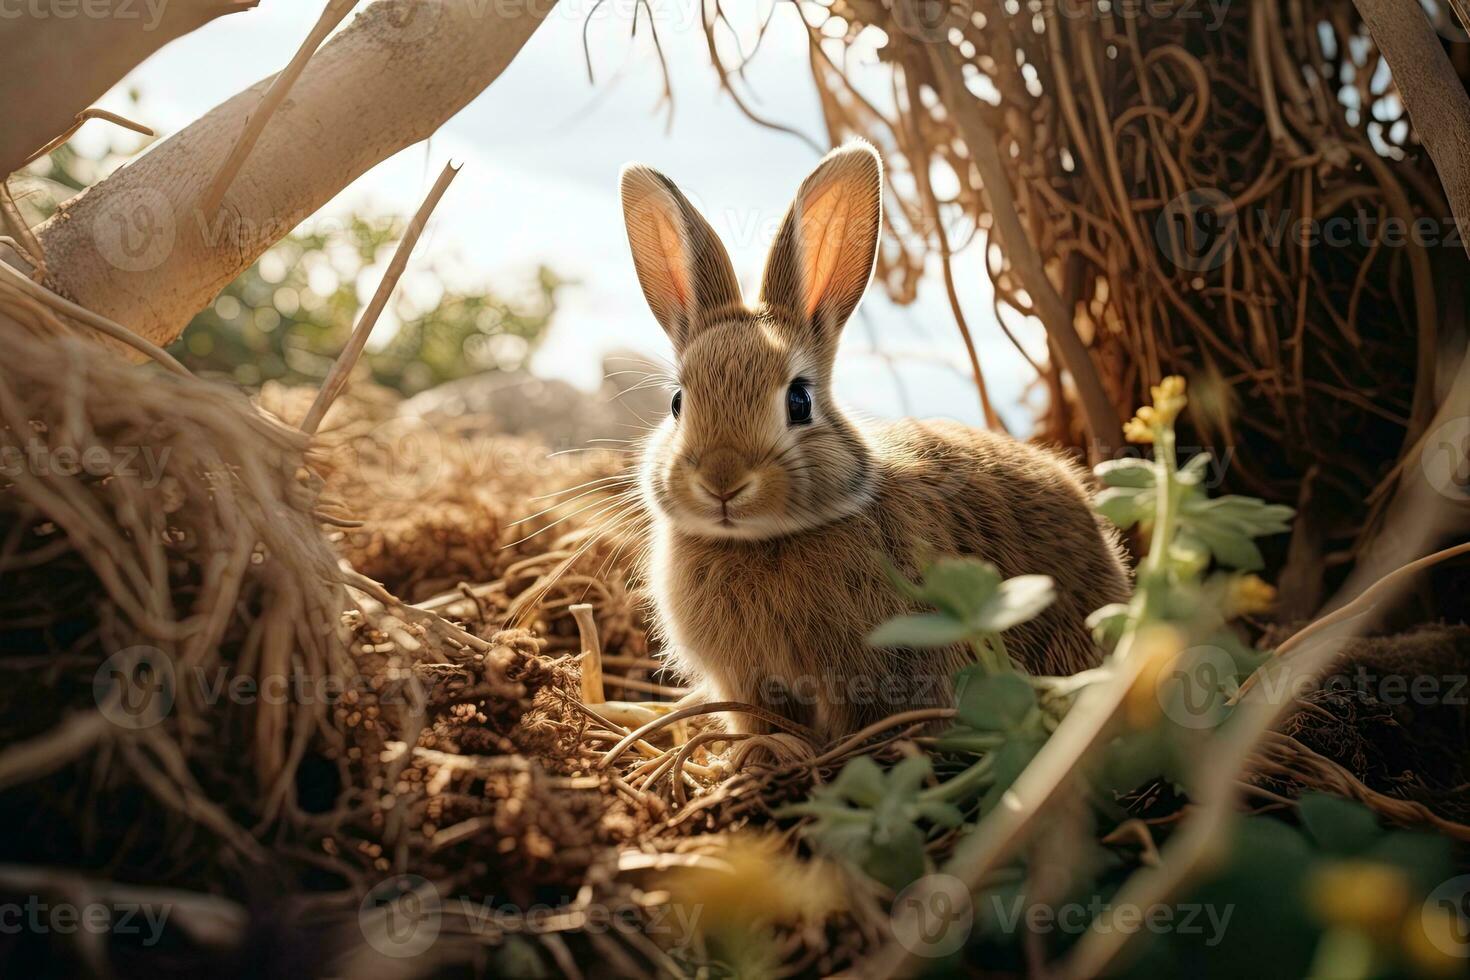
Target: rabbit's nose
723 496
723 476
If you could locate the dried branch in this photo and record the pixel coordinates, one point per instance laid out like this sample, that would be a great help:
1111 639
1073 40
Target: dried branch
342 368
279 88
1103 423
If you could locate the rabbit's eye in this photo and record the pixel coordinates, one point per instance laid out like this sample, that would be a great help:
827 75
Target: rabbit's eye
799 402
678 402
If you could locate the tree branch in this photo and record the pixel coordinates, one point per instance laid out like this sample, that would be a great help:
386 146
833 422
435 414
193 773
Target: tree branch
57 66
137 248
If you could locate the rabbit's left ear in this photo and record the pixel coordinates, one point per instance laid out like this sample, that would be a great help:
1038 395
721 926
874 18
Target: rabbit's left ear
684 270
824 253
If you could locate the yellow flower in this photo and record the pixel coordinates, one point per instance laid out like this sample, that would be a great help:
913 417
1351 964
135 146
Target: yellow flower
1169 399
753 881
1364 895
1250 595
1158 647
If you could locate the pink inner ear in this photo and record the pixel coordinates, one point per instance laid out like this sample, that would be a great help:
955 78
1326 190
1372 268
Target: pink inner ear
671 255
824 220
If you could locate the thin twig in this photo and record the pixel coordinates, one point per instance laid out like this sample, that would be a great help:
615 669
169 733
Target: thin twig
342 368
82 117
96 321
274 95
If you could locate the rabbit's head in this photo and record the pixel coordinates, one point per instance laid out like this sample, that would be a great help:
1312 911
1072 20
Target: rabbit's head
754 445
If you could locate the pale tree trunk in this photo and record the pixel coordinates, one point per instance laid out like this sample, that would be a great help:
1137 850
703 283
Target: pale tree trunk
137 247
57 58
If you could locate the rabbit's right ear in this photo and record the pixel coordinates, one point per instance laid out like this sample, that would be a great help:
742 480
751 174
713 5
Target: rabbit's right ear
685 272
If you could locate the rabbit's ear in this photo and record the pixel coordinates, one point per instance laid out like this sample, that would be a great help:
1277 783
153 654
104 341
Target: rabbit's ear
684 270
825 250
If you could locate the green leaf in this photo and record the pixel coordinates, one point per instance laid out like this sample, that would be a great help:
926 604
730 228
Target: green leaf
1107 624
941 814
959 586
861 781
994 702
1230 547
1135 473
919 630
1017 600
1338 826
1011 759
1190 553
896 858
1192 472
905 779
1123 506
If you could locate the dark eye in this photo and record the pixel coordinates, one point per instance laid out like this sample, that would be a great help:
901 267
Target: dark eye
799 402
678 402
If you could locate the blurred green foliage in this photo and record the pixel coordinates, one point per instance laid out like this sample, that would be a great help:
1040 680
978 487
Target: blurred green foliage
288 315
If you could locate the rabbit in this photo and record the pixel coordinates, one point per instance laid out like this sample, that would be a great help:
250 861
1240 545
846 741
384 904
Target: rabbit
774 512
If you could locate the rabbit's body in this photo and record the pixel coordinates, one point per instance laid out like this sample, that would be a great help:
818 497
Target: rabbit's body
782 622
774 513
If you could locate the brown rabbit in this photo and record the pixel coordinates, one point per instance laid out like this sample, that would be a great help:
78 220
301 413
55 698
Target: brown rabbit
774 512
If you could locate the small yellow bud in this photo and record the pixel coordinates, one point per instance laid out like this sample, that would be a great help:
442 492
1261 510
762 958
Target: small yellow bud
1365 895
1250 595
1136 430
1158 647
1169 399
753 881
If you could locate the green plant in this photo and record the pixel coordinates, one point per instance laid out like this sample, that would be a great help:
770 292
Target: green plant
288 315
1193 580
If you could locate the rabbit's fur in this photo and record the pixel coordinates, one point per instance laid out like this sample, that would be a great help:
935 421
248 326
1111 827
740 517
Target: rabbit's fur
770 538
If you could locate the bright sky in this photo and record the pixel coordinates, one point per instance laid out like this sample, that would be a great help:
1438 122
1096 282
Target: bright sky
542 148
